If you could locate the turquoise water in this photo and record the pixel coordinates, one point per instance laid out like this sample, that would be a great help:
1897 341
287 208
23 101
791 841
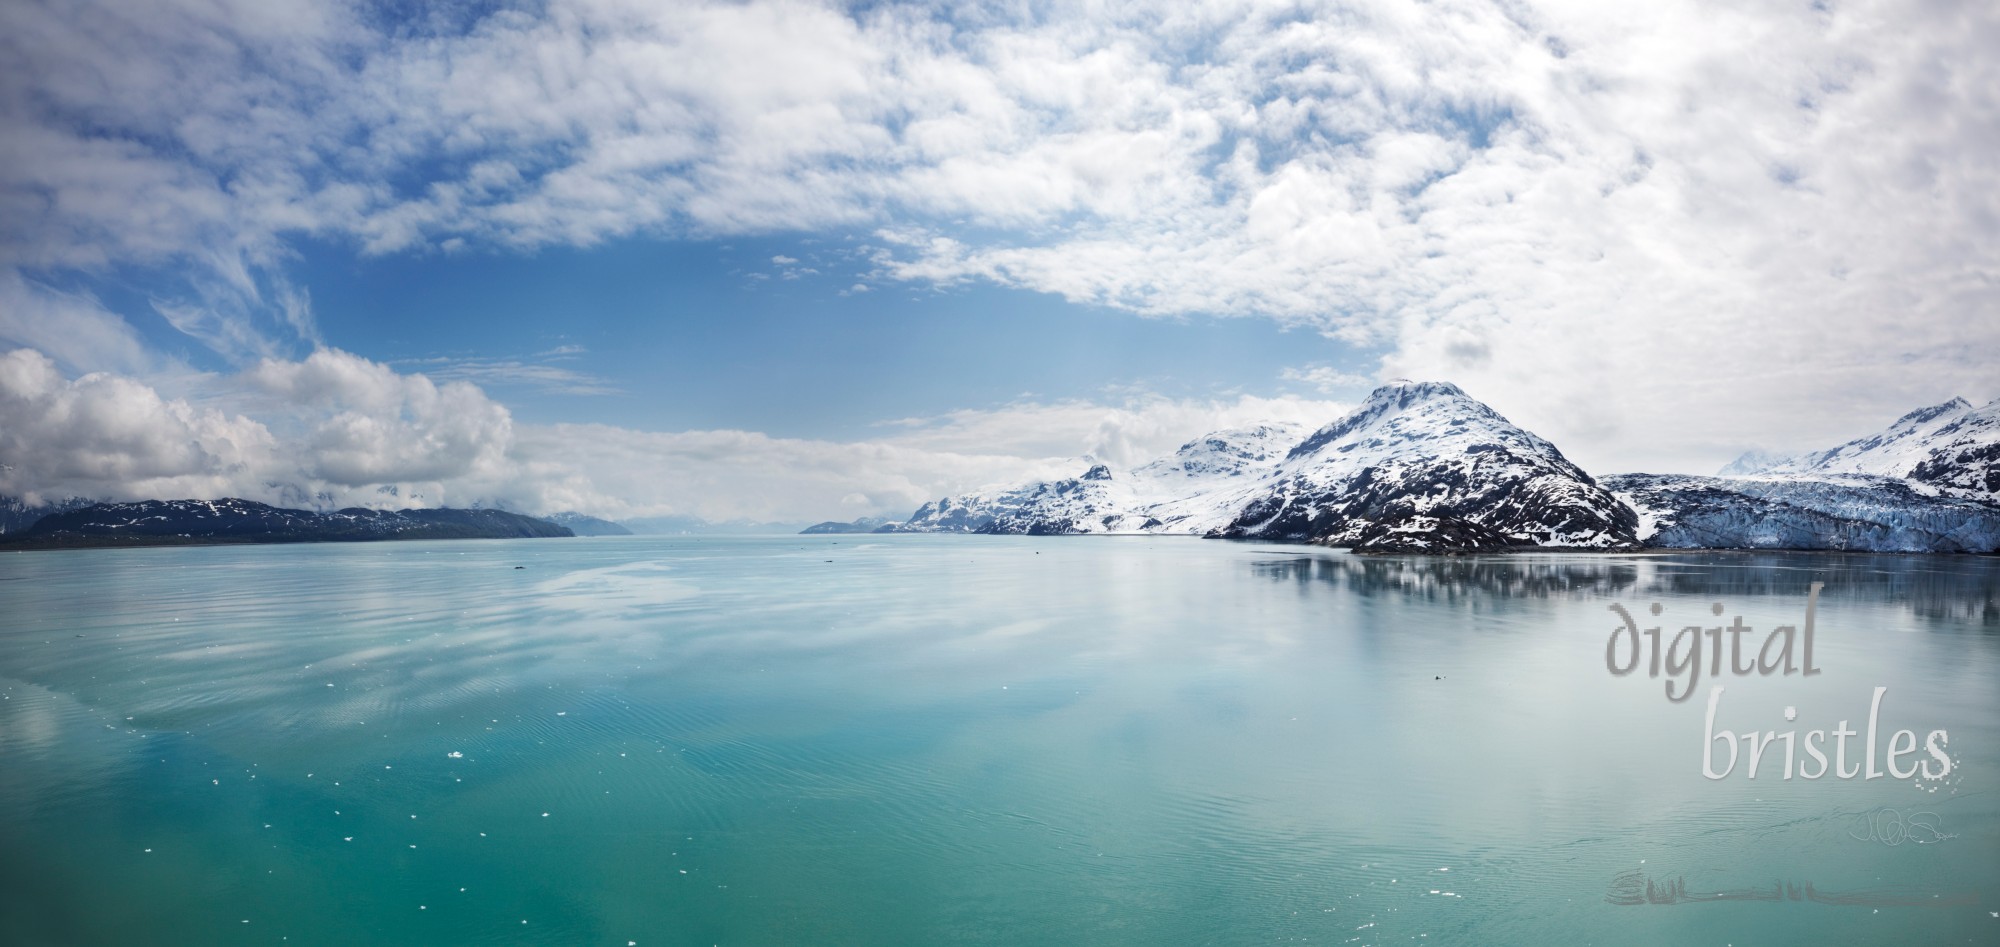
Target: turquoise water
930 740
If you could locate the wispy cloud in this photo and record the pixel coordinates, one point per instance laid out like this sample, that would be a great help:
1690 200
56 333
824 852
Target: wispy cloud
541 371
1325 378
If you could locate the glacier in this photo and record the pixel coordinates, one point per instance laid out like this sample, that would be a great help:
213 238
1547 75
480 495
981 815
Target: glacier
1855 512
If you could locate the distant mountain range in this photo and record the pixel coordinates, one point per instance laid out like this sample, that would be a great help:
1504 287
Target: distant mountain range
1930 482
210 522
296 525
866 524
697 526
1423 467
583 525
1417 467
183 522
16 515
1953 446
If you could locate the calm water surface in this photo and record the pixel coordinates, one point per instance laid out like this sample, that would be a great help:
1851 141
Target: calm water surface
931 740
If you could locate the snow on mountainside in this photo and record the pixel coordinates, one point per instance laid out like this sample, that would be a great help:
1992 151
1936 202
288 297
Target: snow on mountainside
1953 446
1189 491
1780 511
1418 466
969 513
1421 466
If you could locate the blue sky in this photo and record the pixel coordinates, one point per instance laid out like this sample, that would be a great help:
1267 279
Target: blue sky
720 333
790 260
693 334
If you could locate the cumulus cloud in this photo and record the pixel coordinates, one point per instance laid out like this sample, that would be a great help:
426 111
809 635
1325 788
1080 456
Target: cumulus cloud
111 436
369 424
335 429
1659 233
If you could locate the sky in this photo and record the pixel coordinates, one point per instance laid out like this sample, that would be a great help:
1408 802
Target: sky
791 261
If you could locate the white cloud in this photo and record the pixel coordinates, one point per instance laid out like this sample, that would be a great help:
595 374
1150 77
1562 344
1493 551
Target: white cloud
1653 234
108 435
335 430
1126 432
368 424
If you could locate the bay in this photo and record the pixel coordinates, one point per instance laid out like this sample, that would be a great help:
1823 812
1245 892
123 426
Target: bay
944 739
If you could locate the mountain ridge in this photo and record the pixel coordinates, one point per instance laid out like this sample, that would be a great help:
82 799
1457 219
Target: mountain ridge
1953 445
236 521
1422 467
1418 466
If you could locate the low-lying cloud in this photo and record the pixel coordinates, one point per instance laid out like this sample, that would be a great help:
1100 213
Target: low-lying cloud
335 429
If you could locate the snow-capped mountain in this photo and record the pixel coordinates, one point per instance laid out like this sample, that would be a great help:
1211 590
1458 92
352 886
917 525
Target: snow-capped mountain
1930 482
1193 490
1790 511
1953 446
1419 465
1422 466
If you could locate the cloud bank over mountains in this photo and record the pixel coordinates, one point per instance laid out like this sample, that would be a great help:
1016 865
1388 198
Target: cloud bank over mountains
1656 234
335 430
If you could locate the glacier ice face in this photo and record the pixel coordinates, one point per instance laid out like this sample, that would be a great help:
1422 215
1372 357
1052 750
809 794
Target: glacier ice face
1855 512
